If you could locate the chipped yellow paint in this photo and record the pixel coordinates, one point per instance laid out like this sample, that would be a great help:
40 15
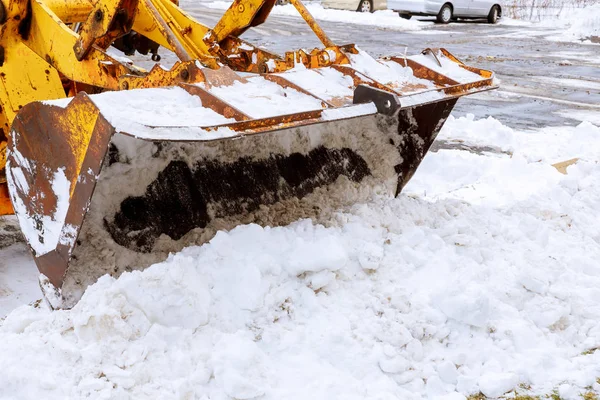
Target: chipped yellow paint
188 32
239 17
54 43
20 83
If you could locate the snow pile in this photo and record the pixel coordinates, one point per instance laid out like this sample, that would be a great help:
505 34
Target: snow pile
544 11
576 24
548 144
383 18
584 25
396 298
503 166
573 20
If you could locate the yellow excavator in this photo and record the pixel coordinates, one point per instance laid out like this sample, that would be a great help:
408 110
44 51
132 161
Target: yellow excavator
110 167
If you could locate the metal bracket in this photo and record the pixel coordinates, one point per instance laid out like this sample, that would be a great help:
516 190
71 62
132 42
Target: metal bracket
430 52
104 24
386 102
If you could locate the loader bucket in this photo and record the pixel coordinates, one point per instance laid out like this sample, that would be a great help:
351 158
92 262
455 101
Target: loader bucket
114 182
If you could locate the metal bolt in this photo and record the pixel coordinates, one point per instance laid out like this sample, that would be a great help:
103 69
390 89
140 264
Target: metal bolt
125 85
184 74
98 15
241 8
323 58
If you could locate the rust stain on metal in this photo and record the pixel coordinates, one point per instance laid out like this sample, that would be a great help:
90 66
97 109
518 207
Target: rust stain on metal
222 77
105 24
181 72
274 123
214 103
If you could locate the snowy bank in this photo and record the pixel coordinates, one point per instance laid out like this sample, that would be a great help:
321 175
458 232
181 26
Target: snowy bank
585 25
535 10
383 18
482 276
580 25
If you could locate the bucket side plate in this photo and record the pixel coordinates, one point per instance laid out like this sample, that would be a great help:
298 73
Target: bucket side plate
55 156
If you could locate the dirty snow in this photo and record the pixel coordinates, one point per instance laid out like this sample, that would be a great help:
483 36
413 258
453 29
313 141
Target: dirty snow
482 276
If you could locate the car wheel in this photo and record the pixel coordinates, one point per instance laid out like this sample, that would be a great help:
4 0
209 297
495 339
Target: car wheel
445 14
405 16
365 6
493 15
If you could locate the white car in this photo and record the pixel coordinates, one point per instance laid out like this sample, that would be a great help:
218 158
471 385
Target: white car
448 10
356 5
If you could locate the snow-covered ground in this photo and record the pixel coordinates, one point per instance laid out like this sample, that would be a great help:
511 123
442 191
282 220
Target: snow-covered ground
482 276
581 24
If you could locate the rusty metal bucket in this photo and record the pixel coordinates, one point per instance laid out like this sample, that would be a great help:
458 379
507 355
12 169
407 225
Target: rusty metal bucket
101 185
